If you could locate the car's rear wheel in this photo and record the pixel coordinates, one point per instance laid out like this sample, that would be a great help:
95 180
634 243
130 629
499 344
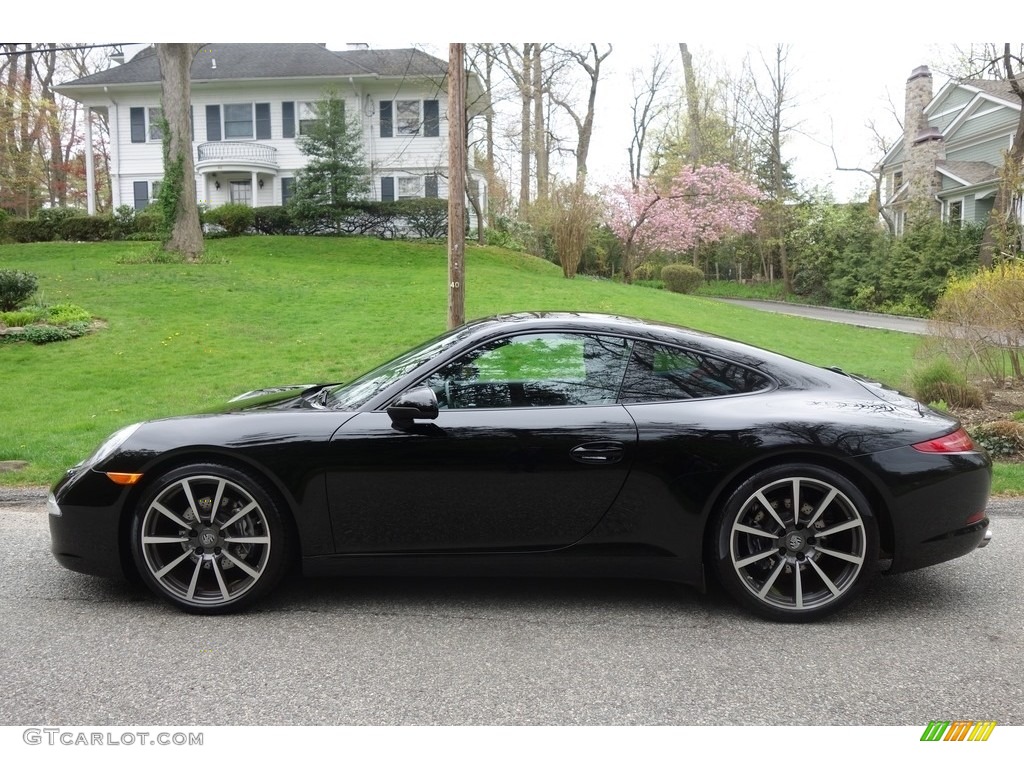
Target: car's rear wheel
209 539
795 542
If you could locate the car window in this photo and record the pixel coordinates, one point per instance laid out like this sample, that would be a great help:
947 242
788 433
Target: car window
658 372
534 370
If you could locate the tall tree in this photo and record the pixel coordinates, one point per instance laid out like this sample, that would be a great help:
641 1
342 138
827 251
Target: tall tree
769 115
335 173
590 61
178 191
692 106
650 104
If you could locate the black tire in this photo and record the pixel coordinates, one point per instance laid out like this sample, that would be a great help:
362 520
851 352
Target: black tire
210 539
795 567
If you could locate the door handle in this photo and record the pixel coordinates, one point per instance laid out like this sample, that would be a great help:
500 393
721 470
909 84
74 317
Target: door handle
600 452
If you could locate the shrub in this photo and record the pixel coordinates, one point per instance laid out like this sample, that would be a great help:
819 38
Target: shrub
272 220
147 224
681 278
424 217
28 231
236 218
940 380
15 288
86 228
66 314
1000 438
122 224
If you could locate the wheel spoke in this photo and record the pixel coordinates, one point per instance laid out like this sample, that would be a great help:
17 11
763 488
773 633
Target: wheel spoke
771 579
164 539
832 493
824 577
754 531
855 559
798 580
195 580
243 565
166 512
220 579
216 499
171 565
191 500
842 527
741 564
247 539
770 509
796 502
240 514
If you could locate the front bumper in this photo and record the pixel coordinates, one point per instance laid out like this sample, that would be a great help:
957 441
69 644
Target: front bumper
85 536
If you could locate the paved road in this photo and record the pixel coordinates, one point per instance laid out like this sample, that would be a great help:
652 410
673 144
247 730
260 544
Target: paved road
943 643
846 316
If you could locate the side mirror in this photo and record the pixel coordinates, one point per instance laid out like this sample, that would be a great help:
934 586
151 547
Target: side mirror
419 403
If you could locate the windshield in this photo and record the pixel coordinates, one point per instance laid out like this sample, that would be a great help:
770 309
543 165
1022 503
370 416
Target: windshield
357 393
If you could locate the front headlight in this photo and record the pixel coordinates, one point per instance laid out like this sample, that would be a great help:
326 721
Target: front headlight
110 445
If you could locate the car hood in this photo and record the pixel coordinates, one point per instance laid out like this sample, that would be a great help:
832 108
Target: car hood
276 398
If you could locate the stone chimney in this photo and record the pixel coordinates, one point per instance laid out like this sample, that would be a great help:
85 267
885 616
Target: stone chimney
923 145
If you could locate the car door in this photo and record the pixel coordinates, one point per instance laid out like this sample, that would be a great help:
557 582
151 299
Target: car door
527 453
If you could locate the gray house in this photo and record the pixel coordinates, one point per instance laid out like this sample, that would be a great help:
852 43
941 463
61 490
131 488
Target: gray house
952 150
252 101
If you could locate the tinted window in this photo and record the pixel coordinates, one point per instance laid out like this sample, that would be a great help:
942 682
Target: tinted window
658 372
534 370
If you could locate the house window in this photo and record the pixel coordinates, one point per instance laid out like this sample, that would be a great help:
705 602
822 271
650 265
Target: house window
238 121
955 212
287 189
407 117
307 116
409 187
897 181
145 124
241 192
156 116
140 193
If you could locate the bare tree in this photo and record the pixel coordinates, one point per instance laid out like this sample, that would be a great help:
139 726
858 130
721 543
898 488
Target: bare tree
590 61
649 106
178 191
692 105
768 113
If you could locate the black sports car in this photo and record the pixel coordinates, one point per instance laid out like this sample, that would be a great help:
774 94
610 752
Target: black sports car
540 444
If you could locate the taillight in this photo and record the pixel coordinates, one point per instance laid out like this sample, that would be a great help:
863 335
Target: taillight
954 442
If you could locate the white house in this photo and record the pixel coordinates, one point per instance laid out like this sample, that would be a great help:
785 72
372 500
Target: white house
249 103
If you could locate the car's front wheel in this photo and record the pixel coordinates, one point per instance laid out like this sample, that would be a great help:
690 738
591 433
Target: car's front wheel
209 539
795 542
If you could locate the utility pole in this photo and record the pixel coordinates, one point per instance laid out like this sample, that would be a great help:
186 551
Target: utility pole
456 184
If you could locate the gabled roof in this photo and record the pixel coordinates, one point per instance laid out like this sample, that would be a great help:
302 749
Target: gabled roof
249 61
968 173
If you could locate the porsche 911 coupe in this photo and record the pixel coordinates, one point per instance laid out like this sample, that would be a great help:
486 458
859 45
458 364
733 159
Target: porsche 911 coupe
540 444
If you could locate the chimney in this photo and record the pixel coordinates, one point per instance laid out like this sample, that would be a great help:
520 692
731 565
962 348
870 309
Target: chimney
923 146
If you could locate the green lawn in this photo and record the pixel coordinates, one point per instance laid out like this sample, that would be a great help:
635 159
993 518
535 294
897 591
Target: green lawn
279 310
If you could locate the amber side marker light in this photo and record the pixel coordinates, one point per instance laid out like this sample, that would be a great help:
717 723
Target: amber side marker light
954 442
124 478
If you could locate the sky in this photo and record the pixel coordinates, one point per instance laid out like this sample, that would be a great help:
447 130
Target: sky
845 64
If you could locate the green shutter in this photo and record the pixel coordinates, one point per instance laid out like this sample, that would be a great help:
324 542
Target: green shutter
213 122
387 189
431 118
386 130
288 119
138 123
262 121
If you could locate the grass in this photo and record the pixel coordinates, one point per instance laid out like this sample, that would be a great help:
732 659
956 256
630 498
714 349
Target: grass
279 310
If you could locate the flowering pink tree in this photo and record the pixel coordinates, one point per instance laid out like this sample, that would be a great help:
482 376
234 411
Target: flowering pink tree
700 205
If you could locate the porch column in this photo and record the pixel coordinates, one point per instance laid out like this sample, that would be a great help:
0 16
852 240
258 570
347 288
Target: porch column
90 170
255 190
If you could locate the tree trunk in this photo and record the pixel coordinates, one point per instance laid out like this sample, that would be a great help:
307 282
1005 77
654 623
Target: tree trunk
179 183
540 142
524 131
692 106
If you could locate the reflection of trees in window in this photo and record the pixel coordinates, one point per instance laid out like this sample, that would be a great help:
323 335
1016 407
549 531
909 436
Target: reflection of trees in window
668 373
534 370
